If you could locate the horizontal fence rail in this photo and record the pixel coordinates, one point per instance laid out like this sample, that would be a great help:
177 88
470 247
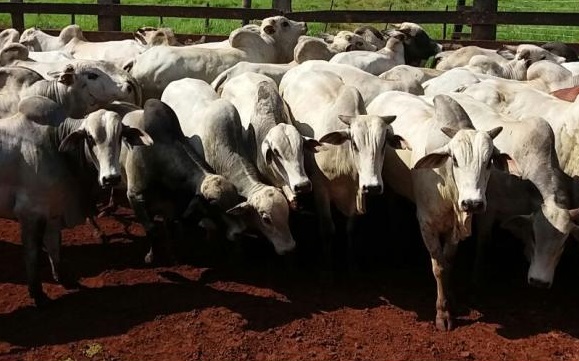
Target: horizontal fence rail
482 20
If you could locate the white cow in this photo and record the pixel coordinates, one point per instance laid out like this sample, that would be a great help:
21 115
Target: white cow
273 71
275 145
522 102
531 143
80 88
325 108
50 181
312 48
158 66
37 40
367 84
8 36
214 129
450 163
376 62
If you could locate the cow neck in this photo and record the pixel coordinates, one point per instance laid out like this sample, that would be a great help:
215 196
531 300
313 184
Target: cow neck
201 170
68 126
239 171
56 91
81 160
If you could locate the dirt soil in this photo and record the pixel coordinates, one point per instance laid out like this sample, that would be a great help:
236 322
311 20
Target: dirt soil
242 302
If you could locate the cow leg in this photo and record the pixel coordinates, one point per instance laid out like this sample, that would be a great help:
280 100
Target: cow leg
97 231
31 233
53 242
110 207
138 204
352 228
327 231
441 271
483 229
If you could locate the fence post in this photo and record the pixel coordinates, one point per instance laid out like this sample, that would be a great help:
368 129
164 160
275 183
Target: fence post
487 31
246 5
17 18
109 23
285 6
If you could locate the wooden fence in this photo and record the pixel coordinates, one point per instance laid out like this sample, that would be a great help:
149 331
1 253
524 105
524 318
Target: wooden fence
483 16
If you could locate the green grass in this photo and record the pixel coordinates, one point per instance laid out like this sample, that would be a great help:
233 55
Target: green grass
219 26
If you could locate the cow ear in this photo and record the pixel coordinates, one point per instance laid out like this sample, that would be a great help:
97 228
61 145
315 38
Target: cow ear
507 51
397 142
312 145
136 136
72 140
241 209
266 152
433 160
494 132
336 138
66 77
504 162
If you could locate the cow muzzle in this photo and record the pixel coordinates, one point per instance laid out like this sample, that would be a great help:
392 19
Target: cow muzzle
372 189
537 283
303 187
110 180
472 205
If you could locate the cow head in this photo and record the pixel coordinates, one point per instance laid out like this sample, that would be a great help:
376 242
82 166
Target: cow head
285 32
267 210
371 35
101 132
93 85
544 233
468 155
348 41
8 36
283 150
368 135
534 53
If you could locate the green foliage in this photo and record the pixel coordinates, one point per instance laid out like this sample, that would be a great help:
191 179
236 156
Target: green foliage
220 26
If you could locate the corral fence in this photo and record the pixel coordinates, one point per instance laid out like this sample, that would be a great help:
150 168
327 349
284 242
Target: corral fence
482 17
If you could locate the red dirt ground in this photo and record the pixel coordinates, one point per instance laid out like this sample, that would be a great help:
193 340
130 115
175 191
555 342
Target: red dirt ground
251 305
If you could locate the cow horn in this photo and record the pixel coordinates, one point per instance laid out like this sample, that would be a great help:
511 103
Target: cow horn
574 214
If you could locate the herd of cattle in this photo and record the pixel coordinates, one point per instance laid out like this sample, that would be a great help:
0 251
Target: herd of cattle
231 134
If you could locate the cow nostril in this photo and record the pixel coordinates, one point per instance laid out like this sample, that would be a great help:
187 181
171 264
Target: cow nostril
472 205
539 284
303 187
372 189
111 180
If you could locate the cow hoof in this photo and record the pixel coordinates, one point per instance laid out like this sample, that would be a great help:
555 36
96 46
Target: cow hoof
40 299
444 322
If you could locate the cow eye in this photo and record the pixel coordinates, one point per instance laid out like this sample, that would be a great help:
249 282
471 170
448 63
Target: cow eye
359 43
92 76
285 24
266 218
454 162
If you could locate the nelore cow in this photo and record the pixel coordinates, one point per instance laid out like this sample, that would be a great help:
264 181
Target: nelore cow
55 165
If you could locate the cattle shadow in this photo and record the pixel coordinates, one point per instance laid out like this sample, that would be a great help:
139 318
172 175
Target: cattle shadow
394 269
113 310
